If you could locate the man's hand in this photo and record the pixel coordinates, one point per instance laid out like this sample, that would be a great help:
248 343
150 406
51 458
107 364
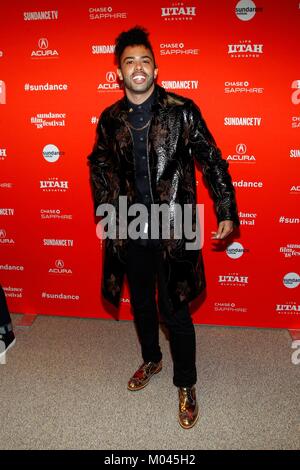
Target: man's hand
224 229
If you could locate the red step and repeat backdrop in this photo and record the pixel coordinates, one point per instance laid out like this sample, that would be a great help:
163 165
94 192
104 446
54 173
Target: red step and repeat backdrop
238 60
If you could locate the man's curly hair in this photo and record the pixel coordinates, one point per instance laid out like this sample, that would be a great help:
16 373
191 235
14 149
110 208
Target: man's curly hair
137 36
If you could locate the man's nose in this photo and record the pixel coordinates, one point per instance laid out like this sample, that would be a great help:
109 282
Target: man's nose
138 65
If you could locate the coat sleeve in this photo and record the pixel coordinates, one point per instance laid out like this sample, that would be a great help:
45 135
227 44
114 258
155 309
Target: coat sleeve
104 177
213 166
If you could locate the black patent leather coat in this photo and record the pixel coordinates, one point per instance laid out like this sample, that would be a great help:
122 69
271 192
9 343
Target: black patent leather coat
178 136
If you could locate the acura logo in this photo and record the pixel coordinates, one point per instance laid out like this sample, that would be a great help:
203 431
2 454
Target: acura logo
59 263
111 77
43 43
241 148
2 233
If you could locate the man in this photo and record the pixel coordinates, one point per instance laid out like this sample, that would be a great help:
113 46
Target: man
7 337
145 149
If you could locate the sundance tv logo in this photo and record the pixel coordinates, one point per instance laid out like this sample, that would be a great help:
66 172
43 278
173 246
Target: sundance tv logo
40 15
242 121
180 84
103 49
44 52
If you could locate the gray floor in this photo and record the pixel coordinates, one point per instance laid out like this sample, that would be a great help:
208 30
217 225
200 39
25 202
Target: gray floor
64 387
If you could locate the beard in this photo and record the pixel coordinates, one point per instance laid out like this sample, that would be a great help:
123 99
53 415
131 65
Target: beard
139 87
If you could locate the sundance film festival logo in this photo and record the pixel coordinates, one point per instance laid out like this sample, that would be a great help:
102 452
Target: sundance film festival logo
41 15
54 185
171 49
51 153
247 218
242 87
106 13
60 268
290 250
245 49
296 94
161 223
178 11
4 240
2 92
48 120
241 155
111 83
291 280
245 10
14 292
44 52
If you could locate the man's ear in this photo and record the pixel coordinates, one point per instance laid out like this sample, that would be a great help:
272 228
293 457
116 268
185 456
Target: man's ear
120 75
155 72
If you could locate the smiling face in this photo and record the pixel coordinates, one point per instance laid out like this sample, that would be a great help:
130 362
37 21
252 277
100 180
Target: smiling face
138 71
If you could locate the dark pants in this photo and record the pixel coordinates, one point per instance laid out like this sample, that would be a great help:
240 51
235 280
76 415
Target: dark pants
144 269
5 320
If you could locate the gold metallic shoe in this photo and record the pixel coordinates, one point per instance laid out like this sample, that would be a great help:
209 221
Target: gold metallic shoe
142 376
188 407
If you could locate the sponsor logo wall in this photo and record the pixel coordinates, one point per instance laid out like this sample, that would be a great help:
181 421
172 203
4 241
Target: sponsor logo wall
57 74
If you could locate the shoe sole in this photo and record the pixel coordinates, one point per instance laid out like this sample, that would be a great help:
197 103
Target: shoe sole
10 346
192 425
145 384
